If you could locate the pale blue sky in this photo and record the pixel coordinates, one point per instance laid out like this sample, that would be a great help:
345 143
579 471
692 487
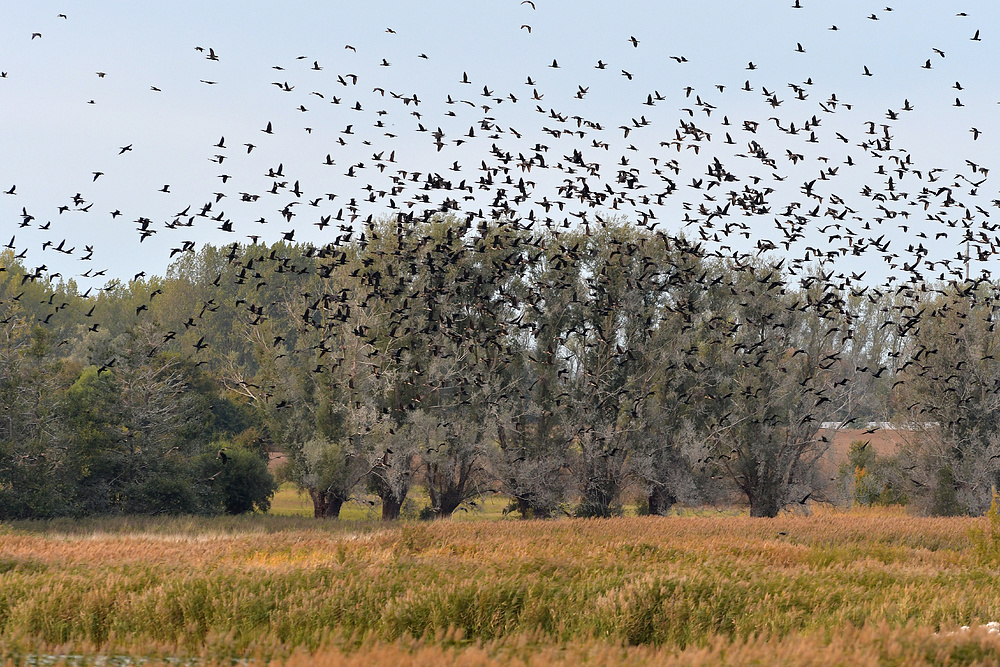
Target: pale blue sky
52 139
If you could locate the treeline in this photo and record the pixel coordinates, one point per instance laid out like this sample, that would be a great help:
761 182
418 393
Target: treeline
563 369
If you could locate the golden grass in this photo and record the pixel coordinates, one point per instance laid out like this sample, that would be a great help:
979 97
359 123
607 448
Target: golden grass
863 587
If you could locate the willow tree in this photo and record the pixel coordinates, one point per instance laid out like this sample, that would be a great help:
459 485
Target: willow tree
948 392
778 378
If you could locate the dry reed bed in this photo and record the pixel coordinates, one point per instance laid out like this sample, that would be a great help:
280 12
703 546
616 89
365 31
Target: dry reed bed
701 585
858 647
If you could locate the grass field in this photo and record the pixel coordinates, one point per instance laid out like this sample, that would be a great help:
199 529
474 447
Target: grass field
853 588
290 501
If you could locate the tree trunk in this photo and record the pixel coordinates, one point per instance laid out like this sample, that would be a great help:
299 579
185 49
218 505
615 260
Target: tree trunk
600 496
325 505
764 504
660 501
449 489
391 507
524 507
449 502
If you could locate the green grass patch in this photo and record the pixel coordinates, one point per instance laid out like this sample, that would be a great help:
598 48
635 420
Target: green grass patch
289 500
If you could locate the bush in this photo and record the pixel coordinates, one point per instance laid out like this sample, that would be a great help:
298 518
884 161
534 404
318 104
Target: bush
239 481
986 540
872 479
165 495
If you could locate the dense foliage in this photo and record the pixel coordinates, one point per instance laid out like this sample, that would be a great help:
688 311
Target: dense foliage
563 368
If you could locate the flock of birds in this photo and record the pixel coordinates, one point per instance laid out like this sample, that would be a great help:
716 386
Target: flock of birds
691 160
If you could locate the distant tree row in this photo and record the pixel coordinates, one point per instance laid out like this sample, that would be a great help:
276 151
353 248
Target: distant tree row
561 369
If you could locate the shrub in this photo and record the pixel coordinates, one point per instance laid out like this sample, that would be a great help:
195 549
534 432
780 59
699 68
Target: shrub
872 479
170 494
239 482
986 540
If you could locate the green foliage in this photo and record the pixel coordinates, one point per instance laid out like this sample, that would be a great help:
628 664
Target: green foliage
238 480
29 487
873 478
169 494
231 417
332 467
945 494
986 538
473 355
951 395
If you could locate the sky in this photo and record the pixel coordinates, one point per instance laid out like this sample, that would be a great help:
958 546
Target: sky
117 112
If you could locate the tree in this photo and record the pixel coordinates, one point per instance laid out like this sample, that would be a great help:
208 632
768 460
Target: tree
779 379
677 411
616 361
133 423
33 479
461 370
949 392
530 461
